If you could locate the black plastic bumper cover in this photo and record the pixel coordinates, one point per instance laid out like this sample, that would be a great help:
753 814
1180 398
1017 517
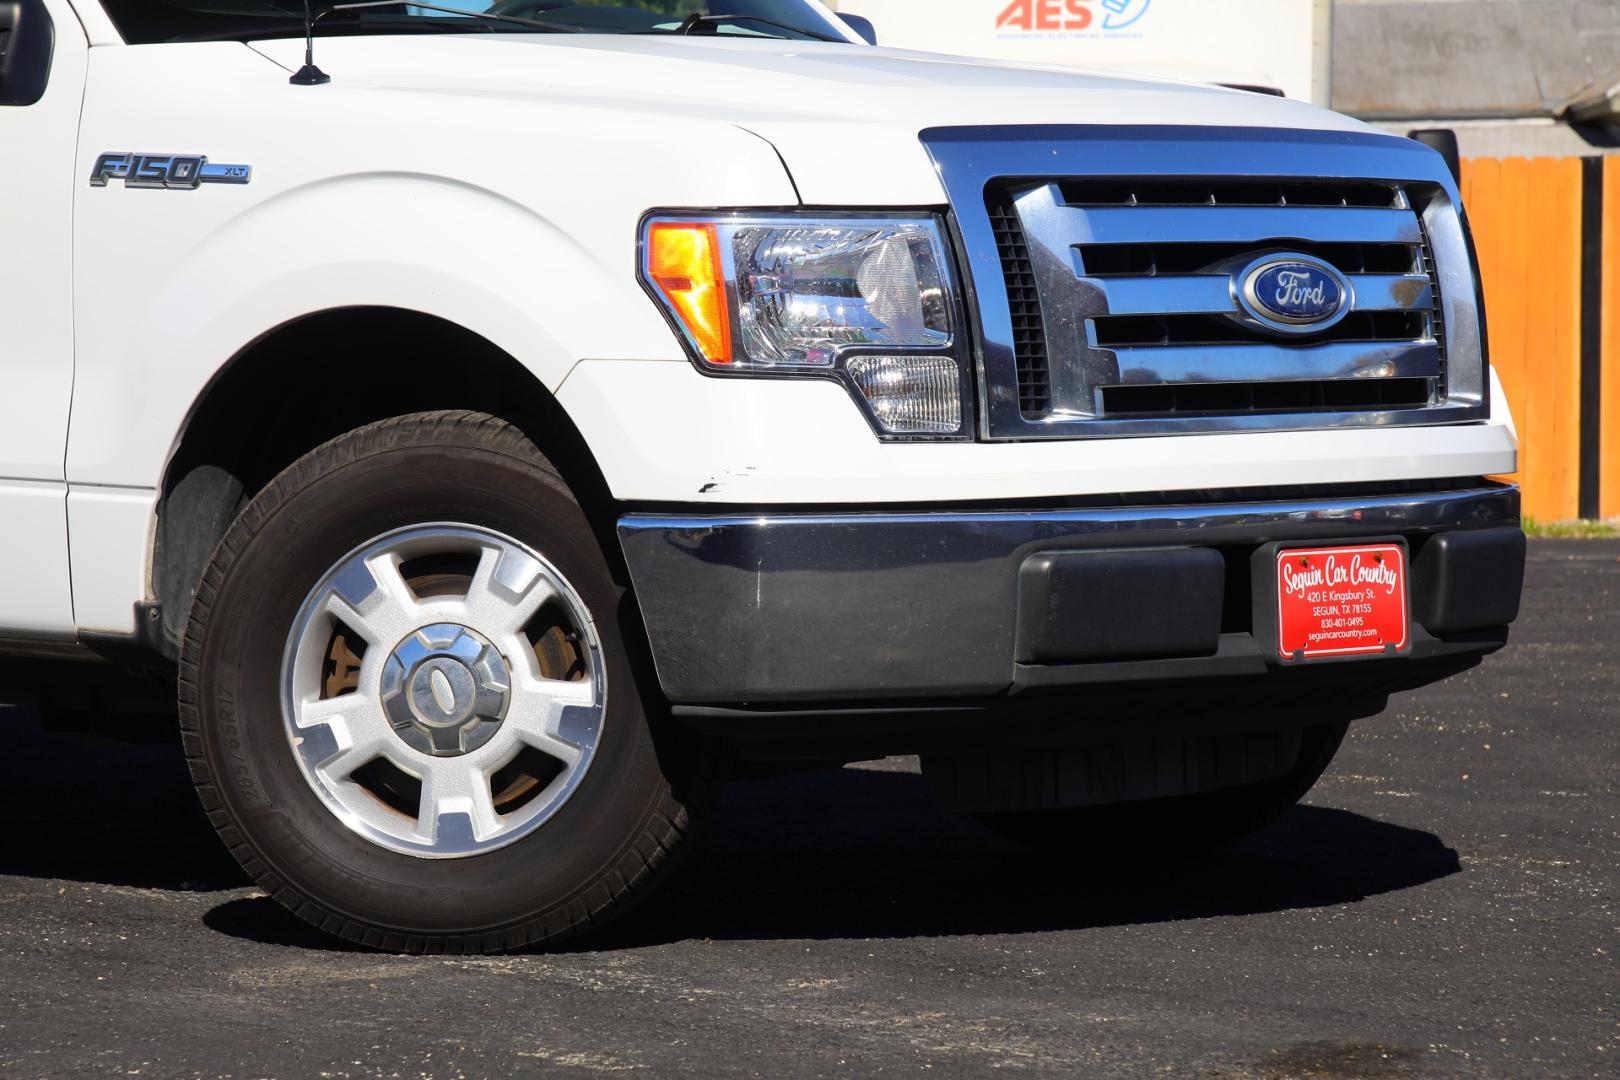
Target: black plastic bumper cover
872 607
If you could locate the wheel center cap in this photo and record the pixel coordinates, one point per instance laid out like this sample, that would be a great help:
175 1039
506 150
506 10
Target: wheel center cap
445 689
443 692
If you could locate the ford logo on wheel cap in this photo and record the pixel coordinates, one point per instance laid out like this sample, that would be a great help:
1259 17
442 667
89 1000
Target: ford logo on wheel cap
1293 294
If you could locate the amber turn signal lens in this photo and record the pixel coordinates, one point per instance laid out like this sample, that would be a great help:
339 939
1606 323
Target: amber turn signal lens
683 260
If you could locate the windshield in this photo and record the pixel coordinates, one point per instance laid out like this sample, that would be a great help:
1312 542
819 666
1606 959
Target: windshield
150 21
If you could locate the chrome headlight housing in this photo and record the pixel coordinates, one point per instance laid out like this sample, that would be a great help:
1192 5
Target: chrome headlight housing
868 300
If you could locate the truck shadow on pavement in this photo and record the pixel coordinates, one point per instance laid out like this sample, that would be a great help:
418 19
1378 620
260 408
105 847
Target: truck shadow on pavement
847 853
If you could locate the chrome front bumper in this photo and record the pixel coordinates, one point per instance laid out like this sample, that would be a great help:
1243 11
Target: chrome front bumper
924 605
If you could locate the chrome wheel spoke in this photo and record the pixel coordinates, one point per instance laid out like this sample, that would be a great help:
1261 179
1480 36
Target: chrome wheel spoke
555 717
370 596
338 735
508 588
457 807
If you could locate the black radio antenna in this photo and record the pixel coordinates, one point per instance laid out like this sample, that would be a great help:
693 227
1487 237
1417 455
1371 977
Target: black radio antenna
309 74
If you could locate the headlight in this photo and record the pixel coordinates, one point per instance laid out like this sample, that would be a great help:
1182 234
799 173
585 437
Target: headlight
866 300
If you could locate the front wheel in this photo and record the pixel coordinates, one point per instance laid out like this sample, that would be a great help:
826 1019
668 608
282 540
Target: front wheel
409 703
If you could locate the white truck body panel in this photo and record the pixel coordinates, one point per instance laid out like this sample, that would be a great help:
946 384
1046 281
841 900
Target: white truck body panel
352 204
668 434
112 546
35 597
36 287
36 358
386 188
845 119
93 19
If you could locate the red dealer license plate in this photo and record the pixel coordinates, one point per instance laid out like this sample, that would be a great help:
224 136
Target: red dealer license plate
1342 601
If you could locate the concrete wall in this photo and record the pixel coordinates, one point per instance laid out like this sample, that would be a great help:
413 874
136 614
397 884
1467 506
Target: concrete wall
1470 58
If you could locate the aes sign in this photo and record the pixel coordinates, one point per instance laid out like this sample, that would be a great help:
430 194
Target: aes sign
1070 16
1283 44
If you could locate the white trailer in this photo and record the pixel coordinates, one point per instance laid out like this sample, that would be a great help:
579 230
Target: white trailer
1284 45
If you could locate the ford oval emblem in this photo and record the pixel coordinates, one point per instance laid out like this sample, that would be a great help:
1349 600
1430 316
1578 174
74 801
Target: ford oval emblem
1297 294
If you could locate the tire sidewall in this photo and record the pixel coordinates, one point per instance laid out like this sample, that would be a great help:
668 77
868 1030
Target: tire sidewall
274 555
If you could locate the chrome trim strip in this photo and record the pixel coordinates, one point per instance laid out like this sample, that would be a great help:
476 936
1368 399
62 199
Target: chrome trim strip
1231 224
1182 294
219 173
889 604
1179 365
1211 294
1390 292
970 160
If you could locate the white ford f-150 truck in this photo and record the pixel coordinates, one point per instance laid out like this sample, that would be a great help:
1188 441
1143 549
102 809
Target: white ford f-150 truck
497 423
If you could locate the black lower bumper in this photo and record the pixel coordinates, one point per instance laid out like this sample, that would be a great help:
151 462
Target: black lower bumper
779 609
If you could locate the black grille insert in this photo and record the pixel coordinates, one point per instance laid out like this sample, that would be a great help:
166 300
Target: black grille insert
1150 260
1148 331
1187 192
1024 307
1437 318
1225 399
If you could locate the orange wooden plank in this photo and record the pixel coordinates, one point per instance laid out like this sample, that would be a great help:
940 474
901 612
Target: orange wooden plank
1564 310
1560 318
1483 178
1526 218
1481 188
1541 209
1538 364
1609 450
1504 302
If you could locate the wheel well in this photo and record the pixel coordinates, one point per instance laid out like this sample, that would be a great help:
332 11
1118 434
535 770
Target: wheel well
314 379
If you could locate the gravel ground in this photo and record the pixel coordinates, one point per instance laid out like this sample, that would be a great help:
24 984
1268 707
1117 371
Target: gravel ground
1444 905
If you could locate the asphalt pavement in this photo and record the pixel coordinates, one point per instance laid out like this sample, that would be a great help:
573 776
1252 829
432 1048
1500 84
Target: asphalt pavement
1443 905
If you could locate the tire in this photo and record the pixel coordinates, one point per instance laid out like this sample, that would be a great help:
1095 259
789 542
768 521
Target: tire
350 846
1181 827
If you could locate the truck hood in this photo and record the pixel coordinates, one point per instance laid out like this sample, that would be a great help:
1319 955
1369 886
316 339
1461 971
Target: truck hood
845 118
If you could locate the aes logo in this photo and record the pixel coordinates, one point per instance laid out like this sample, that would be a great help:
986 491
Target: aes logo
1069 15
1045 15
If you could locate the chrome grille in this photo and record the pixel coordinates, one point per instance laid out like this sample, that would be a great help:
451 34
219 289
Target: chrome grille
1090 254
1140 269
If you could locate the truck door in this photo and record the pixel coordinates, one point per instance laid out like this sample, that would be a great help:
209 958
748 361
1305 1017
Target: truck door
42 68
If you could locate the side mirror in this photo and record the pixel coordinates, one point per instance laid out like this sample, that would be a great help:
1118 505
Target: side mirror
26 40
1444 142
861 26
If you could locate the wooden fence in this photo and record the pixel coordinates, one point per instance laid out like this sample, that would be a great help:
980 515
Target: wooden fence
1548 234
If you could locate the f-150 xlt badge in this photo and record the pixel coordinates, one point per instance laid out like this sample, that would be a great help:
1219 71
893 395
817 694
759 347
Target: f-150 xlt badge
1293 293
180 172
